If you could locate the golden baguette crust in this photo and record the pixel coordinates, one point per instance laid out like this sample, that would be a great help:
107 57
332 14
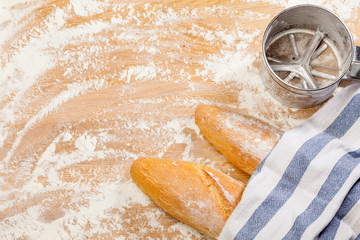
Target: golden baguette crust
197 195
243 140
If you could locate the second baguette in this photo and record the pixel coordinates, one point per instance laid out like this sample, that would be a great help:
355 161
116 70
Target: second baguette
243 140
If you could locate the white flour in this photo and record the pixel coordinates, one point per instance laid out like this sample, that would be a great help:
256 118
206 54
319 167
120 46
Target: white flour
125 50
343 8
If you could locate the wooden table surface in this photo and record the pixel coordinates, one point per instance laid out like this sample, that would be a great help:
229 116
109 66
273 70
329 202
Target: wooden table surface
87 87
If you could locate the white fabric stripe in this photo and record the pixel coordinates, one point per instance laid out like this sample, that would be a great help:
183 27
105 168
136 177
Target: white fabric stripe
344 232
314 229
311 183
266 180
352 219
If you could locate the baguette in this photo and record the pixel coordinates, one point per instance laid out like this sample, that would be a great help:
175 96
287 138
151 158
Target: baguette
245 141
197 195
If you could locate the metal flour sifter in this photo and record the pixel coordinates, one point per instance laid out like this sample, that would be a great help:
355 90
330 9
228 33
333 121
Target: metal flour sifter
306 52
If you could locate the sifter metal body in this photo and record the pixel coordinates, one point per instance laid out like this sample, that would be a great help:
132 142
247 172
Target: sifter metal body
306 52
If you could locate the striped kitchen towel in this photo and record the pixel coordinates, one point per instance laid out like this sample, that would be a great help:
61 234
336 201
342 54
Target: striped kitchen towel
308 187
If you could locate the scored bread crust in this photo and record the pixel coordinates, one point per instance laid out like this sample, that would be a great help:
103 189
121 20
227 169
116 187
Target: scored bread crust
197 195
244 140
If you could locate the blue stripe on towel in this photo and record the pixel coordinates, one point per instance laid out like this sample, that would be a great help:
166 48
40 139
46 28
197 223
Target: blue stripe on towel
296 169
349 202
337 177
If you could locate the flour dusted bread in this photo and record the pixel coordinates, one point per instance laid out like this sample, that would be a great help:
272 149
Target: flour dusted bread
201 196
243 140
197 195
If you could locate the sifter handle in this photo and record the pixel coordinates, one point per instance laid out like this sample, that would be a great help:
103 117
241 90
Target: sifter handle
354 72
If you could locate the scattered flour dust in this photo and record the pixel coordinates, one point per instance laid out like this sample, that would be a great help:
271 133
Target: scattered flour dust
86 8
88 208
117 195
228 67
86 144
343 8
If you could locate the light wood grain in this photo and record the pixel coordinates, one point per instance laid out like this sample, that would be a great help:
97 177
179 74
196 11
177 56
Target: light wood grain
121 84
